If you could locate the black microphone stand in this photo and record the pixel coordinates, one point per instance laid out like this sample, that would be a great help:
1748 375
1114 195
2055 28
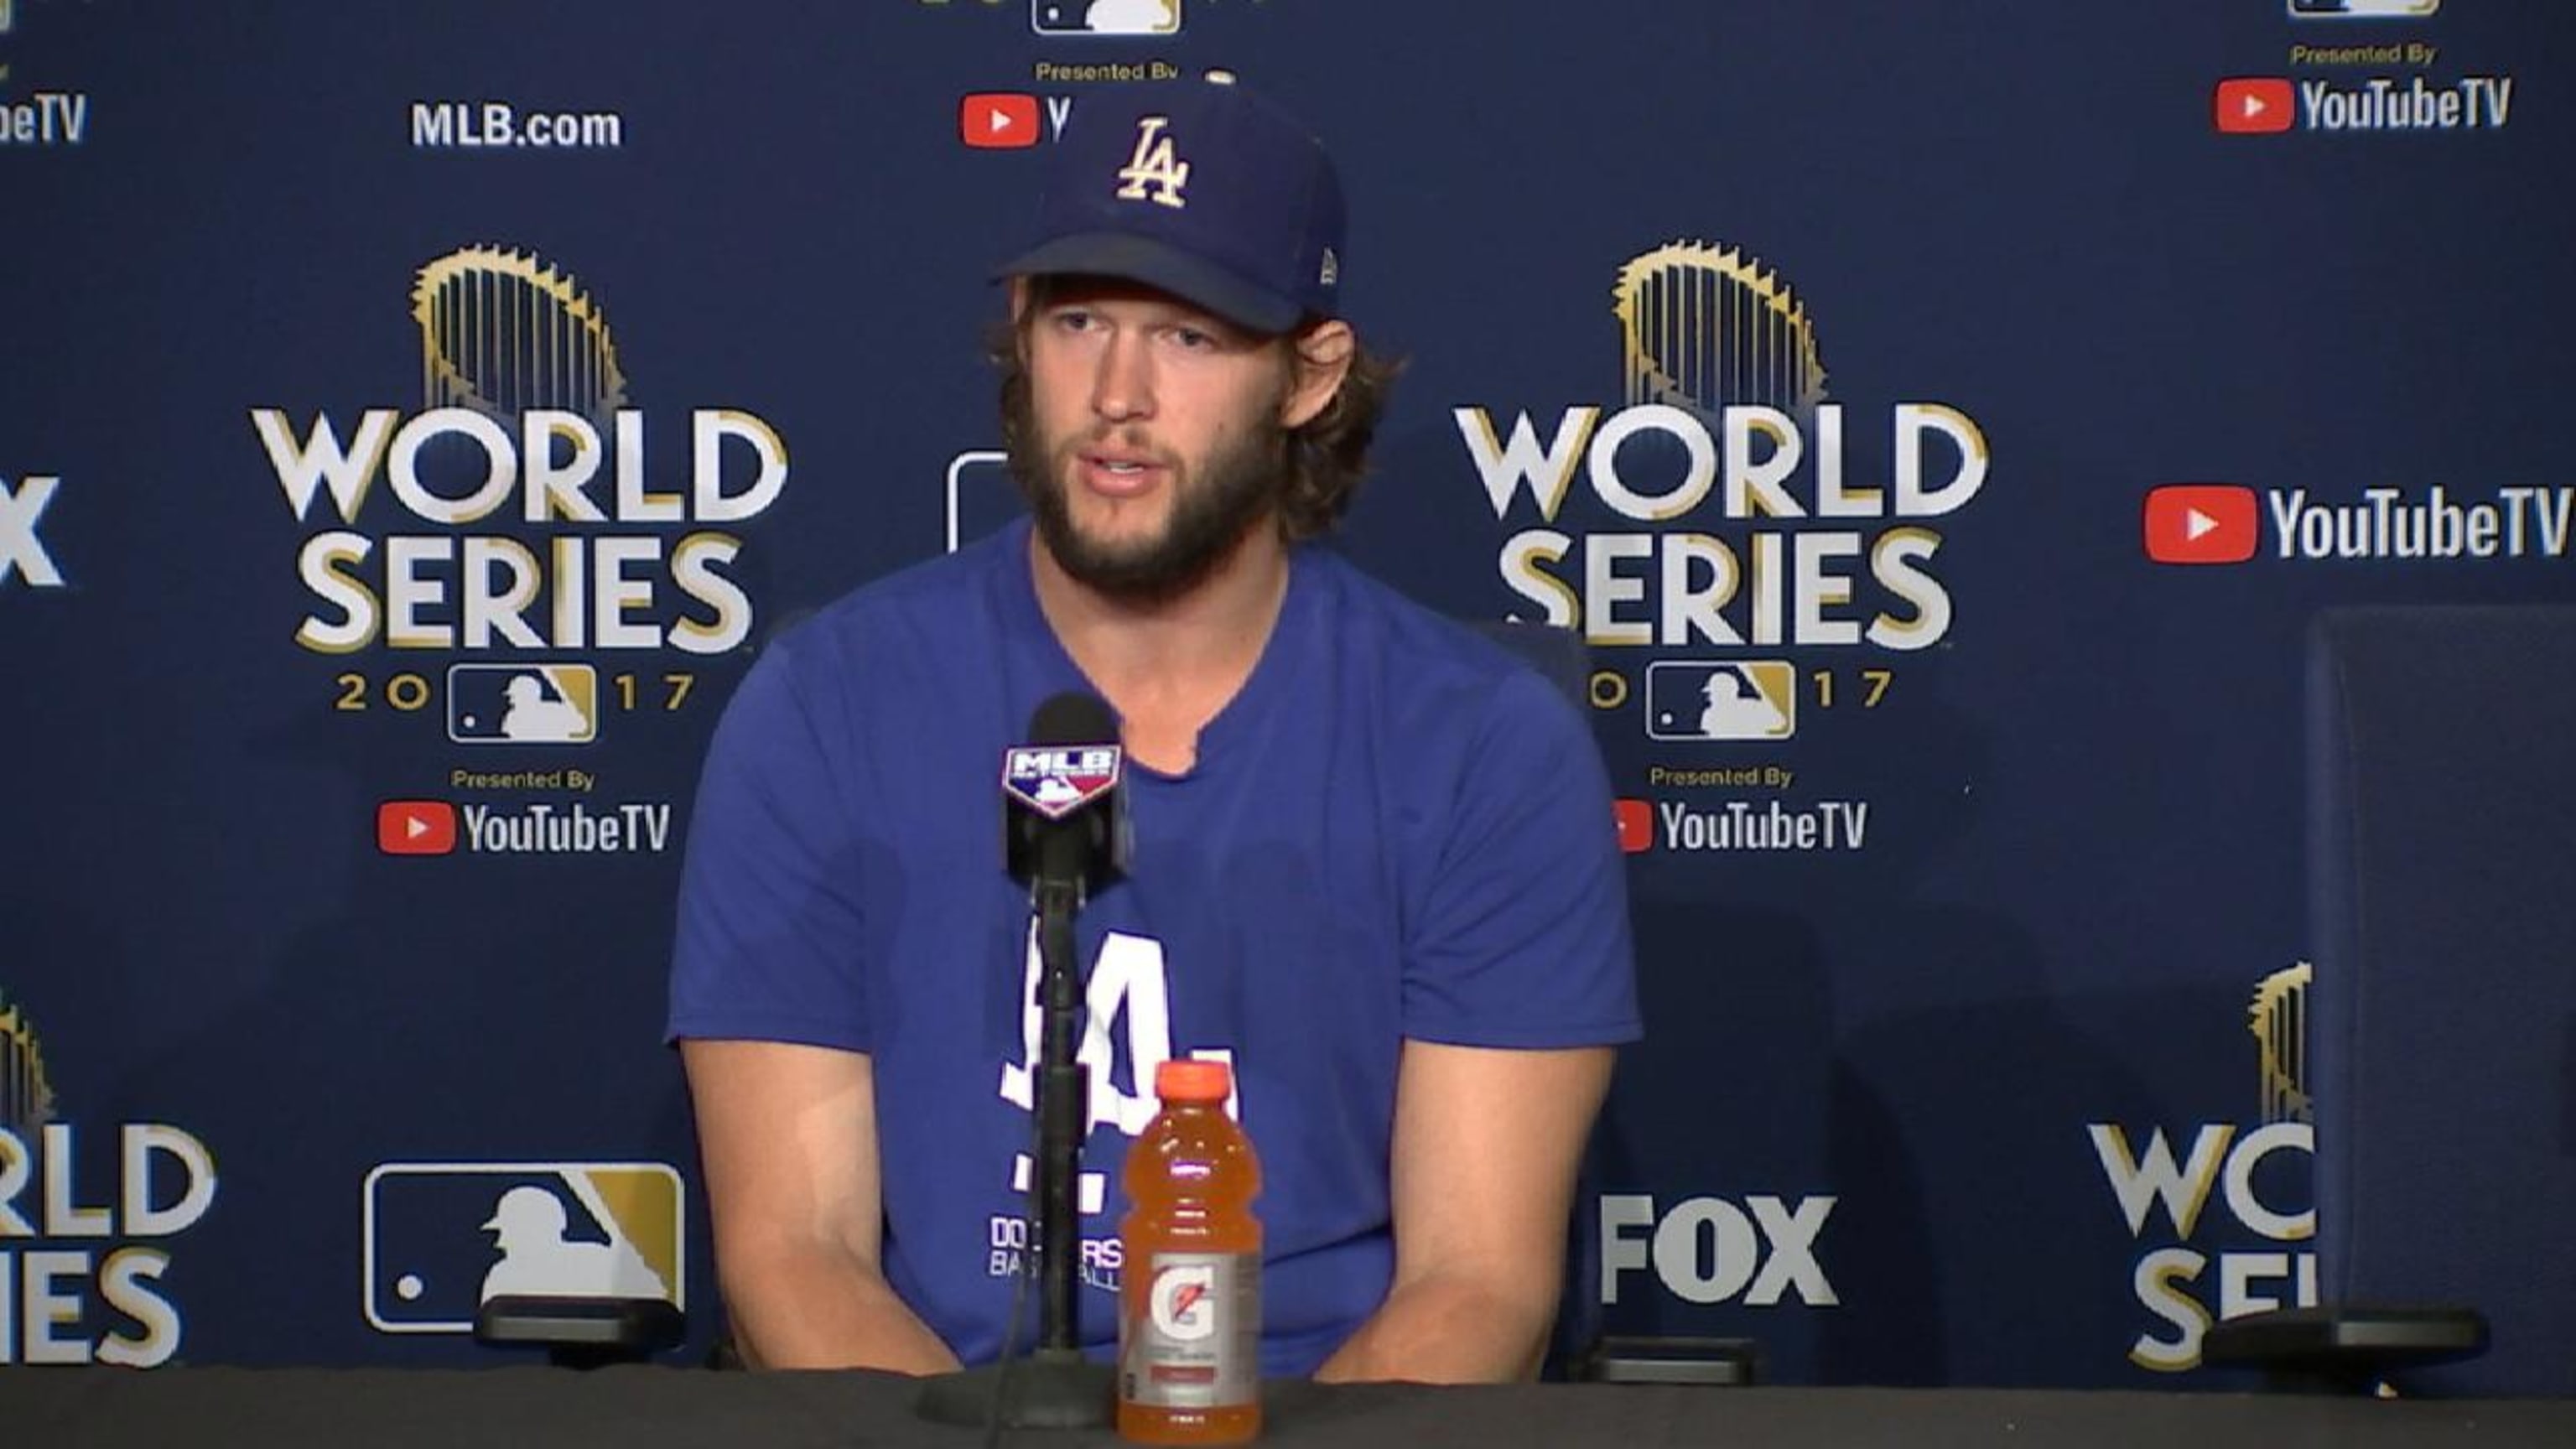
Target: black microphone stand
1055 1387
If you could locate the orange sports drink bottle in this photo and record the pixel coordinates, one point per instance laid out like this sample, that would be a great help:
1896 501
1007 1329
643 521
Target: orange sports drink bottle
1189 1298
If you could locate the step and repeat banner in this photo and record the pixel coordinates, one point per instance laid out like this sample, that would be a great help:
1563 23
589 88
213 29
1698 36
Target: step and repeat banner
1942 420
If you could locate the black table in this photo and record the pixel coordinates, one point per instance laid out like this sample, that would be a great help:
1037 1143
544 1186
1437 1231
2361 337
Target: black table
644 1408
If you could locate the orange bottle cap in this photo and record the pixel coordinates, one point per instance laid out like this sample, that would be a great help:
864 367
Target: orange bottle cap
1193 1081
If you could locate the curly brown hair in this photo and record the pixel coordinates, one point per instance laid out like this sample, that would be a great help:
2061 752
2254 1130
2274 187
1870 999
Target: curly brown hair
1321 461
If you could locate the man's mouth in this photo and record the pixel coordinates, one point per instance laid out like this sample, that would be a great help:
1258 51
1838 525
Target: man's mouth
1119 474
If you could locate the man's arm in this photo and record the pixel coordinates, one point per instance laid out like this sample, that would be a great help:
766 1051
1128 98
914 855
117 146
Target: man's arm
788 1134
1487 1143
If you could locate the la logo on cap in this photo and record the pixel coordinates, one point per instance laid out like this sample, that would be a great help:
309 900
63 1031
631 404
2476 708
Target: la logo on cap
1154 171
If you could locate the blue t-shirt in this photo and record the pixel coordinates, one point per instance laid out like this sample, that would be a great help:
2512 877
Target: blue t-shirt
1395 829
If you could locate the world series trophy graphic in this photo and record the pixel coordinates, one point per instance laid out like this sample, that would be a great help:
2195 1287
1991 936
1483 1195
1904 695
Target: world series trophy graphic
2278 1017
502 332
26 1093
1702 326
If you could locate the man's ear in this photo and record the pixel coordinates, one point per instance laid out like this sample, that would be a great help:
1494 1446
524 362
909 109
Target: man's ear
1319 358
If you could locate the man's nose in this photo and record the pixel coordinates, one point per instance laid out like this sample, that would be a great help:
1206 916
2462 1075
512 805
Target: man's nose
1123 388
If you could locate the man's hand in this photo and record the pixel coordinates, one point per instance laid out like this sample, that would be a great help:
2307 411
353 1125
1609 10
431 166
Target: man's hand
1487 1144
789 1137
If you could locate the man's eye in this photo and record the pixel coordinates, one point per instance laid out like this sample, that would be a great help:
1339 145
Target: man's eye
1193 338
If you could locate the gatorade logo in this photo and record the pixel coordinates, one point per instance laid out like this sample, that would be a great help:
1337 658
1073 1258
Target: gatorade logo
1182 1301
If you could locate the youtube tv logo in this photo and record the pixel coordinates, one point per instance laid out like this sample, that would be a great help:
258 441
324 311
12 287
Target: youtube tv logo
1636 825
2254 105
2202 523
416 827
998 120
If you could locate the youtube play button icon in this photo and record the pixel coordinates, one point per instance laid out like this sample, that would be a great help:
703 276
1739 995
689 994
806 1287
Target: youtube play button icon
2253 105
998 120
2202 523
416 827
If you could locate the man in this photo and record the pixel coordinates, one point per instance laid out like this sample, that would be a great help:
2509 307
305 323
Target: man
1373 863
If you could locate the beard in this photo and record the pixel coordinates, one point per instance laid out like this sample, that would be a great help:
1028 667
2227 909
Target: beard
1215 505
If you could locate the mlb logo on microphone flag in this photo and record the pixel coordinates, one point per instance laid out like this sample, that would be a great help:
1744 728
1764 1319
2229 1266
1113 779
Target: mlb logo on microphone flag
1055 780
441 1237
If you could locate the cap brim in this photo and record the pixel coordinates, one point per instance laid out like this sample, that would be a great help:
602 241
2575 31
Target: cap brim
1164 267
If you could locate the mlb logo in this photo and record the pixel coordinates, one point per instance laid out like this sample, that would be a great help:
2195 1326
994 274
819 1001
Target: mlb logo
1105 17
441 1237
1709 699
522 704
1055 781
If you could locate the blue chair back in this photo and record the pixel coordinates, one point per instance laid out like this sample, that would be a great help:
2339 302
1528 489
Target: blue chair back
1559 653
2442 1027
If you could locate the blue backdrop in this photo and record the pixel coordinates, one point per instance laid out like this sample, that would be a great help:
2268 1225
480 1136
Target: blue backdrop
417 417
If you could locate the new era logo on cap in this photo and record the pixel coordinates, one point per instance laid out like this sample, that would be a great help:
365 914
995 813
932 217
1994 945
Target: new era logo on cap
998 120
416 827
2202 523
2253 105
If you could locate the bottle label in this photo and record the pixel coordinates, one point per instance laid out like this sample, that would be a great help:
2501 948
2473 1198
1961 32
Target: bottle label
1197 1345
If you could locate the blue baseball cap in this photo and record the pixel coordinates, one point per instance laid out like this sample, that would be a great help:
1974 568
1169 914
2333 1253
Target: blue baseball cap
1197 188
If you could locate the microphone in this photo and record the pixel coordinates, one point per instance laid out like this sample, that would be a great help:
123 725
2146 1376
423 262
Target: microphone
1064 819
1062 836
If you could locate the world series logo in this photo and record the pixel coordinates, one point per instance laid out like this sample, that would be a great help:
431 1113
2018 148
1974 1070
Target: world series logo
526 507
1730 454
1769 552
86 1225
2261 1177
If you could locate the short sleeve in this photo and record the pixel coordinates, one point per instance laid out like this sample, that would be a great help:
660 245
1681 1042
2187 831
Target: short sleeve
1523 939
769 942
